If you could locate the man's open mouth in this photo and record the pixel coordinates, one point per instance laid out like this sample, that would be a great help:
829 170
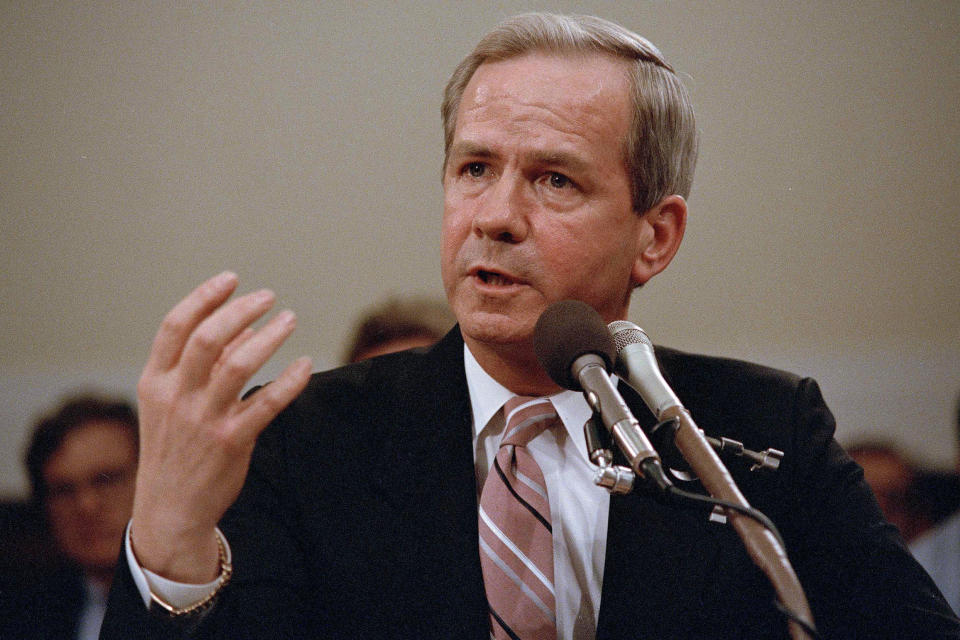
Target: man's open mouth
494 278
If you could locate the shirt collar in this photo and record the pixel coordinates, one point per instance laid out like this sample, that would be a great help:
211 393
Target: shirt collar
487 396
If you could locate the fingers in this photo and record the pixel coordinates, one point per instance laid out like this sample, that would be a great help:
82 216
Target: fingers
208 341
196 435
234 371
180 322
264 405
230 348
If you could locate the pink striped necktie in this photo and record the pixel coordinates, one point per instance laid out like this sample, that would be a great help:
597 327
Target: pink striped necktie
516 535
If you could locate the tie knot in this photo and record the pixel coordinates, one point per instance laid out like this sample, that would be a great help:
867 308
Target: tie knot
526 419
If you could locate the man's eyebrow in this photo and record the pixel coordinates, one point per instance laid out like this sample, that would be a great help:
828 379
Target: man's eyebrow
466 148
559 158
472 149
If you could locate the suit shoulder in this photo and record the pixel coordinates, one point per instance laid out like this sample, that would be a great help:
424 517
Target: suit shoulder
699 369
729 395
381 374
391 373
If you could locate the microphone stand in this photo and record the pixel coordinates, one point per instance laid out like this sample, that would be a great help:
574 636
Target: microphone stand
762 546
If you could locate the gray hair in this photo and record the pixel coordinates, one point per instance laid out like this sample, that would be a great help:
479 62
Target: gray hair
661 150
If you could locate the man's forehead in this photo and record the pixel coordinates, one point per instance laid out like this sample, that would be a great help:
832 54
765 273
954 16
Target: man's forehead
590 72
576 87
573 100
96 439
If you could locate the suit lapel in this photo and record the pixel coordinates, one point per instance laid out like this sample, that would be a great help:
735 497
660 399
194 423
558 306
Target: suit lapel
659 561
658 564
432 485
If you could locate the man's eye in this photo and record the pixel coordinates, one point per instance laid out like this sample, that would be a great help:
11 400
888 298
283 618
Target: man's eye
108 478
475 169
559 181
58 491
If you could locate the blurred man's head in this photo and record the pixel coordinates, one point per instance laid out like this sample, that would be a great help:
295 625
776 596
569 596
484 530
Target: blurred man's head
82 460
398 324
892 478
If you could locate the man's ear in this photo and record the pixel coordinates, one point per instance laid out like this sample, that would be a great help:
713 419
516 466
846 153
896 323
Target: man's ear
661 229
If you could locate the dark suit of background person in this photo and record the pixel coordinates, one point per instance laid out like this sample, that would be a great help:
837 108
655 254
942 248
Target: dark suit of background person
358 517
50 608
359 520
81 461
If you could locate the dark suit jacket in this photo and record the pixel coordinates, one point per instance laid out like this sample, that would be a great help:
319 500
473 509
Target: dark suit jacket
50 609
359 520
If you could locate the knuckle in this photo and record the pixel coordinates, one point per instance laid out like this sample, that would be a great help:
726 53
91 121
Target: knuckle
151 390
273 398
182 415
173 323
272 403
229 438
204 341
236 368
145 386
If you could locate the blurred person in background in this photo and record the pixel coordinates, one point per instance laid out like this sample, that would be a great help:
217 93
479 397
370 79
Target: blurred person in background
399 324
938 550
893 479
81 461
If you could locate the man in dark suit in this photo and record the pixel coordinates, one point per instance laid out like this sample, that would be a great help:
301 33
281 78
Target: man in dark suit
81 461
570 147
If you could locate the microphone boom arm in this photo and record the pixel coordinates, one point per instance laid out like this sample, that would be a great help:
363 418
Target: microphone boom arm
764 549
635 355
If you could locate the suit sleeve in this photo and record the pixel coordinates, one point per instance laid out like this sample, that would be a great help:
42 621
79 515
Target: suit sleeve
858 574
265 597
310 537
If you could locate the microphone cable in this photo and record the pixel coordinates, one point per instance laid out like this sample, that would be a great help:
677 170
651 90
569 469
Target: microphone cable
675 495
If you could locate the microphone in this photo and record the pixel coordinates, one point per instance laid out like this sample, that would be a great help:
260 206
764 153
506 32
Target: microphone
637 364
576 350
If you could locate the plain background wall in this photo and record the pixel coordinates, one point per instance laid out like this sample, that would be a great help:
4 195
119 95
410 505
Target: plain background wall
145 146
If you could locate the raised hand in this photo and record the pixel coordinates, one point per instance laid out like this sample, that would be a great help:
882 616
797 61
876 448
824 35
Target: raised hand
196 435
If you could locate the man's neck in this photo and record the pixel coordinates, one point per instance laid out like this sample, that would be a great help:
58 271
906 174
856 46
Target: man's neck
513 365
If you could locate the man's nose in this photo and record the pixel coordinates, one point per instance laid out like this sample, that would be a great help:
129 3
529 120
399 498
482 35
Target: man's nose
89 499
502 210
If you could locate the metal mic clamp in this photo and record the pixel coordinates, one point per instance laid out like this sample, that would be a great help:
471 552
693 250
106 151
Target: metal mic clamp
663 435
614 478
766 460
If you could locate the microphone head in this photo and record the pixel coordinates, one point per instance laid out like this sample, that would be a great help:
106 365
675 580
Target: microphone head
626 333
565 331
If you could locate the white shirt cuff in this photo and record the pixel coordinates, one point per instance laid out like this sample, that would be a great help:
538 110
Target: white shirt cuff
179 594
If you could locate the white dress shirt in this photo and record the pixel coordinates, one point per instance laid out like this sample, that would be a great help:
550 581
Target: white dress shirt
94 606
938 550
578 508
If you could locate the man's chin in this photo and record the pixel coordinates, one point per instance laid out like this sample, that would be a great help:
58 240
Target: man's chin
98 552
495 328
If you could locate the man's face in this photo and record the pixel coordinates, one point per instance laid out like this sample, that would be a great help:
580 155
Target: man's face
537 197
90 483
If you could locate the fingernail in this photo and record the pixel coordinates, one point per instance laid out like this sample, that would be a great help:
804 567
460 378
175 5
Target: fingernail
264 295
223 278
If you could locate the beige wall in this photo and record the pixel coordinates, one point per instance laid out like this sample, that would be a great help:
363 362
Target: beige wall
146 145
